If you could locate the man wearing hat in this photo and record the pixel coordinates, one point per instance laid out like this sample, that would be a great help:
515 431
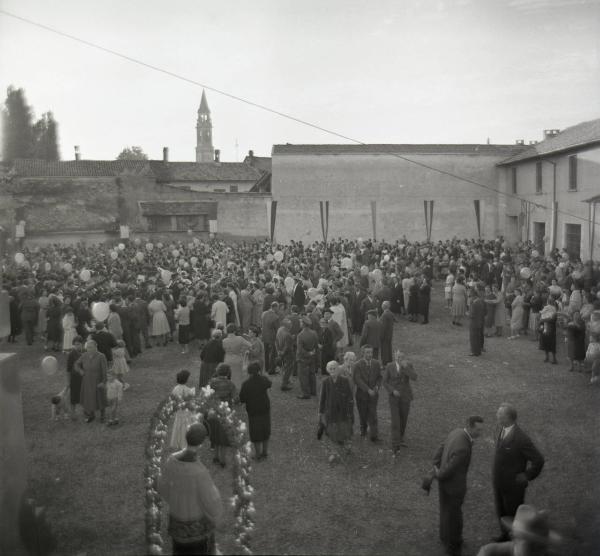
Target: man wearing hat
194 501
307 344
531 534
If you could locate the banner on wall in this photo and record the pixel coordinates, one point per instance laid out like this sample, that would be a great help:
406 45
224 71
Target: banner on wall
477 204
212 226
374 219
324 208
428 208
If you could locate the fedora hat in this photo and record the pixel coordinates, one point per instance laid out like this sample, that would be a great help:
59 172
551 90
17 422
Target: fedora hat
531 525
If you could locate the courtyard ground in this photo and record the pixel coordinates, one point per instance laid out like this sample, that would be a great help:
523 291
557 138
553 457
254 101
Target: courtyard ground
90 477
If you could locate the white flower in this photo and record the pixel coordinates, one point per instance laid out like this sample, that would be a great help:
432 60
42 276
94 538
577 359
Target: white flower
207 391
242 427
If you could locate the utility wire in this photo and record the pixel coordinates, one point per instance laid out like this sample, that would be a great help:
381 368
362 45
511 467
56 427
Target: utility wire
279 113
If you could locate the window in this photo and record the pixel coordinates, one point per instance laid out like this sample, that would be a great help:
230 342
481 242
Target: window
513 172
196 222
538 177
573 239
573 173
233 189
157 223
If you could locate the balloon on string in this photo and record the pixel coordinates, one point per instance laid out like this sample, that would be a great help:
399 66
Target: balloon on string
85 275
175 253
67 267
149 246
535 254
48 267
270 257
49 365
525 273
137 241
196 241
278 256
100 311
121 247
208 262
364 270
312 293
181 263
114 255
386 258
186 265
159 245
194 261
139 256
19 258
347 263
165 276
289 284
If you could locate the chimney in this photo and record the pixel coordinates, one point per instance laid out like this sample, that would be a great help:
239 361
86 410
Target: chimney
77 153
549 133
520 142
217 155
250 154
165 154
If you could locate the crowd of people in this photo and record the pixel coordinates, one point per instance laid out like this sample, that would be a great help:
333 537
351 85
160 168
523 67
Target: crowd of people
254 309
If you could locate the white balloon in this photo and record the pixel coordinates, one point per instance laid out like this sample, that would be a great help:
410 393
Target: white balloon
49 365
85 275
121 247
114 255
67 267
100 311
278 256
165 276
139 256
19 258
175 253
149 246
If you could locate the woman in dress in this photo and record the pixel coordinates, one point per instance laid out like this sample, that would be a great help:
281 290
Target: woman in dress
516 316
499 310
347 369
256 353
225 391
53 324
548 317
336 410
576 342
183 417
74 376
245 307
210 356
113 323
258 406
459 301
448 290
170 313
160 328
536 303
69 329
43 301
489 325
235 348
259 298
413 300
200 319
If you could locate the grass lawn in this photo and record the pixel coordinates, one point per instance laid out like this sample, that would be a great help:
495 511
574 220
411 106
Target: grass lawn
90 477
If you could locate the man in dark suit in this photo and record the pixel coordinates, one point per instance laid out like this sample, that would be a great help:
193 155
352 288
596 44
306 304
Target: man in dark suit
371 333
396 380
386 320
298 295
476 323
367 377
270 325
450 466
516 462
142 318
105 341
307 344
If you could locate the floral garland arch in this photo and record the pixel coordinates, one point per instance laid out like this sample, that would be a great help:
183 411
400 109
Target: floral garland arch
204 404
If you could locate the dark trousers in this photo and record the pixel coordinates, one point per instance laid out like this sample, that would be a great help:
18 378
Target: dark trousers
399 408
287 364
451 520
29 325
367 413
424 310
508 500
476 338
136 344
205 546
270 358
386 352
307 378
145 335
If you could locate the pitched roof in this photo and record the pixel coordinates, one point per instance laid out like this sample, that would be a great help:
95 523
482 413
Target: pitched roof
203 171
263 163
490 150
203 104
580 135
34 168
179 208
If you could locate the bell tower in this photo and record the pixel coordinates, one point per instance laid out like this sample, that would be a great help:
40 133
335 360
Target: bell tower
204 144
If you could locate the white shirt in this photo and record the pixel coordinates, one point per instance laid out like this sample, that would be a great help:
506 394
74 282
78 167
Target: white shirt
506 431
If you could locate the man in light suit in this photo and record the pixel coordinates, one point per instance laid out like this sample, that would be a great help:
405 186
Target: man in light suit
450 466
396 380
516 462
367 378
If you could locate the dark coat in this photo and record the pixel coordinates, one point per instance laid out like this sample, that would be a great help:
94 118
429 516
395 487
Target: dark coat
366 376
298 296
453 458
397 299
477 313
399 380
200 320
254 394
371 334
105 342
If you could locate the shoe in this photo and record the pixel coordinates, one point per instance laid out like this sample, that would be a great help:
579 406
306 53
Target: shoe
303 397
286 388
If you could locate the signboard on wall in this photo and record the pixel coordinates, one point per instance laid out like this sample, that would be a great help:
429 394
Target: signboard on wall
212 226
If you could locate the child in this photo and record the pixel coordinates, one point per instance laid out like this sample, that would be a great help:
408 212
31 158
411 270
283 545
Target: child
225 391
182 315
183 417
120 360
114 395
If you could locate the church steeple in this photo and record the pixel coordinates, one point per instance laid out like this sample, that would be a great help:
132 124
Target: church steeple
204 146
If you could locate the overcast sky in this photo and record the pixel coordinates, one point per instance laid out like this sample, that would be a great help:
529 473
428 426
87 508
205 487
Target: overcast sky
380 71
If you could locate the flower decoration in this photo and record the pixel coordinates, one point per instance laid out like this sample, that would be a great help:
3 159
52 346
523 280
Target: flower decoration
205 403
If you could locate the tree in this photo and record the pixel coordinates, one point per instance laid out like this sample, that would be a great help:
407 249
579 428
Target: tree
132 153
45 138
16 126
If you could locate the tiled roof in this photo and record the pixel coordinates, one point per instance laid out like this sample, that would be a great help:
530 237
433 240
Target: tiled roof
34 168
263 163
203 171
490 150
580 135
179 208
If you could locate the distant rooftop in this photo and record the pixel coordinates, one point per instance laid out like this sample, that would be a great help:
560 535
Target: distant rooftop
483 149
580 135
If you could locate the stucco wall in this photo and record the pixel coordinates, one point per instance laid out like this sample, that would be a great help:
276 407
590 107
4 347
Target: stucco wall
351 182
